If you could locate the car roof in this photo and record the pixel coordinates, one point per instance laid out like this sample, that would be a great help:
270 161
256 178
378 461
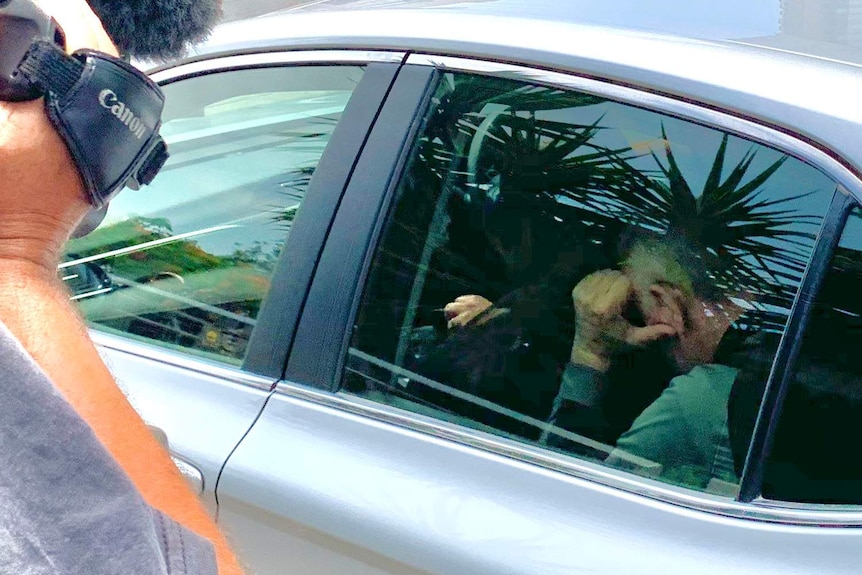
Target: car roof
826 29
748 79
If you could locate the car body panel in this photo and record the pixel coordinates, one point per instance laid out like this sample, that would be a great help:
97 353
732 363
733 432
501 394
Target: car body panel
323 482
823 29
757 83
371 482
446 508
202 408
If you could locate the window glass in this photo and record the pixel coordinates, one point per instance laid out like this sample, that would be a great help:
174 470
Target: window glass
814 455
584 275
187 261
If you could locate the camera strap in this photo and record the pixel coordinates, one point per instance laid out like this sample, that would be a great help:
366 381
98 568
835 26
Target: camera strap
107 112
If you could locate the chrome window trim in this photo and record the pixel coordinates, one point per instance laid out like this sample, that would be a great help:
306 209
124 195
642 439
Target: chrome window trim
724 120
263 59
180 360
760 510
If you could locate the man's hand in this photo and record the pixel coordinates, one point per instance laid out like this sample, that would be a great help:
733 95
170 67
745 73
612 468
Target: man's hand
42 198
707 322
600 328
464 309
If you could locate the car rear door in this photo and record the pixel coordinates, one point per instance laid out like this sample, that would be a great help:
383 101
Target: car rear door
351 468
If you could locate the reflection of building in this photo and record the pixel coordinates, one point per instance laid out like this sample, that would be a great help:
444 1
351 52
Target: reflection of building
824 28
837 21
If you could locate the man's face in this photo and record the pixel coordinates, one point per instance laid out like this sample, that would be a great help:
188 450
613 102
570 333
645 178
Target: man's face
660 303
661 287
664 297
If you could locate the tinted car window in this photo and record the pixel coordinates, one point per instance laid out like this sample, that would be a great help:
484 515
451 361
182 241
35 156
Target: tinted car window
589 276
813 457
187 261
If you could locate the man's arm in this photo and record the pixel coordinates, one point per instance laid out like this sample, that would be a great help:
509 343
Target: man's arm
41 202
684 429
659 432
578 408
67 507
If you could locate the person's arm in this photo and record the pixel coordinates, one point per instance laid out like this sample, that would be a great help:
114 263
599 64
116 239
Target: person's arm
36 309
600 329
41 202
684 429
67 506
578 408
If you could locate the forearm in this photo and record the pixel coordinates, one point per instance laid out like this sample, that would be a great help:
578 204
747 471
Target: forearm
578 406
36 309
582 355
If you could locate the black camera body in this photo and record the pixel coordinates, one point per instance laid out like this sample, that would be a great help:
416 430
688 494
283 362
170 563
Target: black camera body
21 22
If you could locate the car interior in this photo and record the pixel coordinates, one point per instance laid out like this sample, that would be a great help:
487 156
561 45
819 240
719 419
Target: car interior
515 195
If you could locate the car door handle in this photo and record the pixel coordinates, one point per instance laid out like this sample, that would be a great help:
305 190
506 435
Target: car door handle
189 470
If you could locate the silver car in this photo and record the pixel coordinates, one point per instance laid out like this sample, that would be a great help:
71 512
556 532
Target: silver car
505 287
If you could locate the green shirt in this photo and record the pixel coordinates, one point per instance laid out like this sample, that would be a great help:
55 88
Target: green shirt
685 429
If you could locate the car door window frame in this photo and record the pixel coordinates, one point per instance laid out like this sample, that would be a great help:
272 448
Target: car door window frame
273 334
787 353
355 228
322 343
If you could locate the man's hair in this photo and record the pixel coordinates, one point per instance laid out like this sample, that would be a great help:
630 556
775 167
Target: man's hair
668 258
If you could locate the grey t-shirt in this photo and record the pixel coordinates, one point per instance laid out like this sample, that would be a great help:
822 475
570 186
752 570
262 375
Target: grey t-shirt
65 505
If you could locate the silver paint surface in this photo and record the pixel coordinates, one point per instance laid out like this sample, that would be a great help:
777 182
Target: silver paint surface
432 504
753 82
203 408
329 484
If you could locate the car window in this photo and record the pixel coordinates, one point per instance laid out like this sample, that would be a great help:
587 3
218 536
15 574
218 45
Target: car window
813 456
585 275
186 262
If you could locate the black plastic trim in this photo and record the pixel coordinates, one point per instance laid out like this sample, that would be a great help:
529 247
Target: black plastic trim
791 342
273 335
319 347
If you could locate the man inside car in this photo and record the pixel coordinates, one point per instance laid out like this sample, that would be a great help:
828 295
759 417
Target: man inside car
684 429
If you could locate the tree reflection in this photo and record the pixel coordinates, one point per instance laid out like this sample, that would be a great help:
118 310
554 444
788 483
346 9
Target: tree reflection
492 150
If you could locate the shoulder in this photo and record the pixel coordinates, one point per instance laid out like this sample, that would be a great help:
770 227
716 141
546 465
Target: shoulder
701 395
711 379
